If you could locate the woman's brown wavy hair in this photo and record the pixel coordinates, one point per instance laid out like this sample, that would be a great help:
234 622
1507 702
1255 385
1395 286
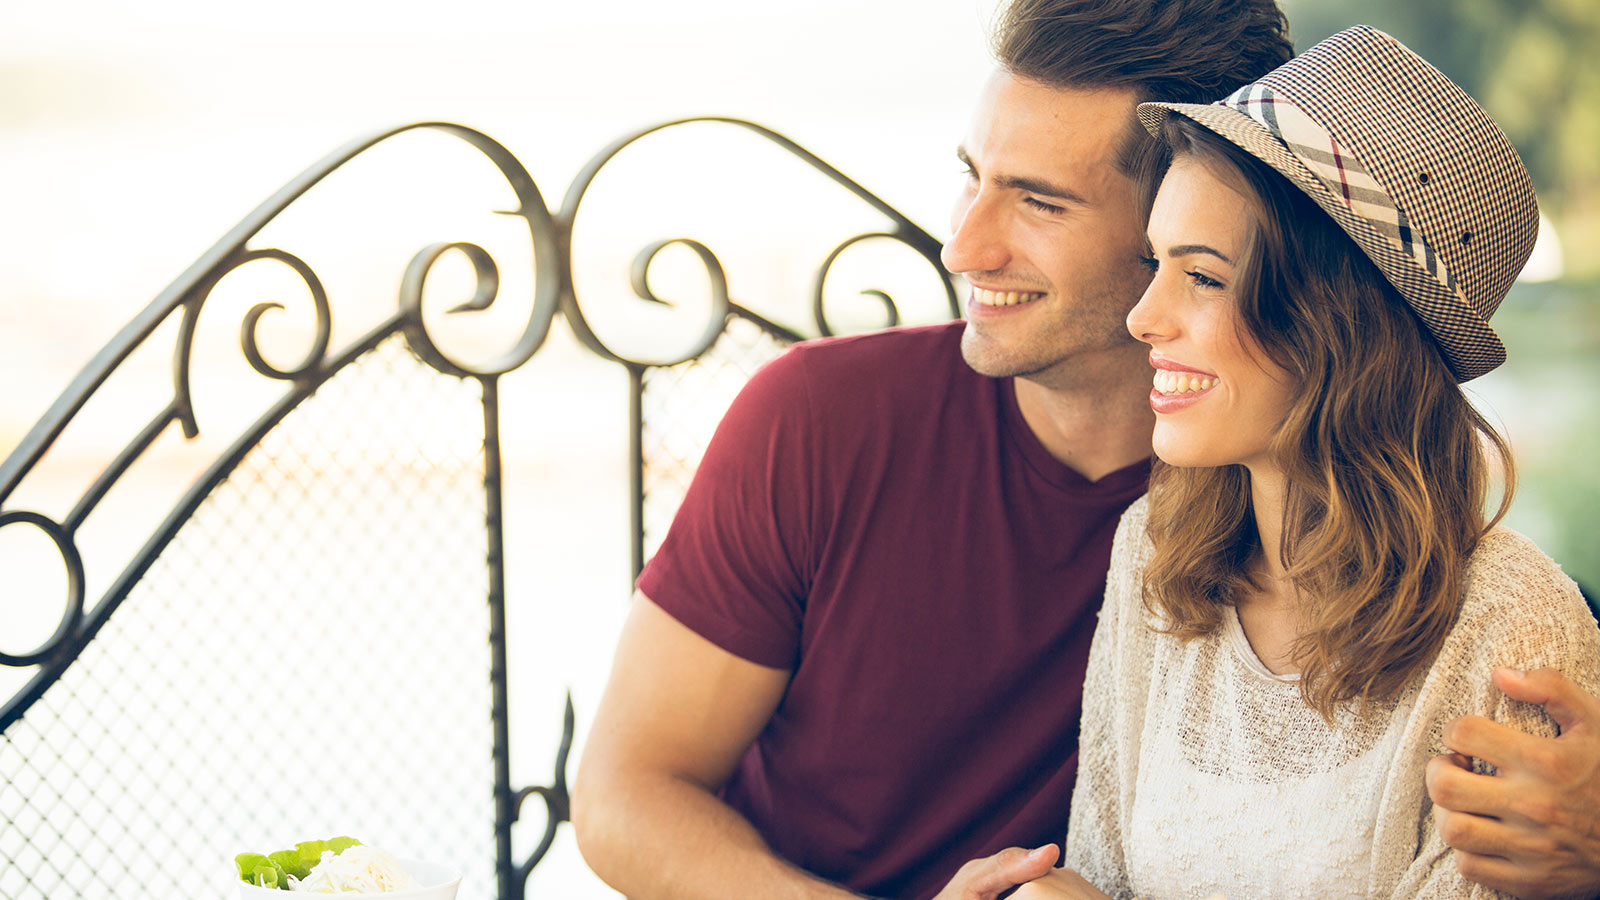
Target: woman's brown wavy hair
1384 458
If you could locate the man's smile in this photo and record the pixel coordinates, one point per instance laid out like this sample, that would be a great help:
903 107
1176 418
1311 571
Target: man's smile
1004 298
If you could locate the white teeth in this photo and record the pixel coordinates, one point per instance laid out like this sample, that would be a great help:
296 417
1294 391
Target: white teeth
1004 298
1168 382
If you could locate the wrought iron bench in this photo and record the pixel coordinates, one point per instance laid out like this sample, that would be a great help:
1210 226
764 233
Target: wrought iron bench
314 632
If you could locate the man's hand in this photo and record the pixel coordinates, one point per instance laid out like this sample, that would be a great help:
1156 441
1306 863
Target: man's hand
1532 830
988 878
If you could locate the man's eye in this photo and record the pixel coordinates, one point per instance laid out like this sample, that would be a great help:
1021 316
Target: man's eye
1042 206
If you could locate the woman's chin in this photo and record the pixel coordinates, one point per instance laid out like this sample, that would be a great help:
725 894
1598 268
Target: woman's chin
1177 452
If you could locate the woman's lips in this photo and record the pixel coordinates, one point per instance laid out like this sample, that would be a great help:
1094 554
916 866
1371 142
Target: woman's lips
1171 403
1177 386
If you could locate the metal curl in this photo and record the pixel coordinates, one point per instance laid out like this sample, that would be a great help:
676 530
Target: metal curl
557 802
487 277
892 312
247 330
72 617
905 231
716 322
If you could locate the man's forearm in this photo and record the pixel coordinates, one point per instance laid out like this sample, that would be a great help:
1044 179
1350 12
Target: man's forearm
655 837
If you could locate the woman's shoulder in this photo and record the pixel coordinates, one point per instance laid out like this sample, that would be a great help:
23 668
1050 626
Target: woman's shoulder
1131 548
1134 528
1523 609
1508 569
1130 553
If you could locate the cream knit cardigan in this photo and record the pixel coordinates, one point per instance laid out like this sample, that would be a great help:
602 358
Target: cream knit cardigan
1203 773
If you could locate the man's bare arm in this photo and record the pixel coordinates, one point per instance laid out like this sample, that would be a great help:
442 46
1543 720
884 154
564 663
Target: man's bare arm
1533 829
678 714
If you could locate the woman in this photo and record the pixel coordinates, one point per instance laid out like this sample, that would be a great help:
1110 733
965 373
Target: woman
1310 591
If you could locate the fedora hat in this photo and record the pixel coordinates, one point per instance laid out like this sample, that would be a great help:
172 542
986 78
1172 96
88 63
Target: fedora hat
1406 163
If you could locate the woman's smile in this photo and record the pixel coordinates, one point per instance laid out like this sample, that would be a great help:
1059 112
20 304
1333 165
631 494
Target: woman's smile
1178 386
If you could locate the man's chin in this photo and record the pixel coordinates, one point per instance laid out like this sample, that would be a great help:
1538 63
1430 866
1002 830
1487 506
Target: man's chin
990 358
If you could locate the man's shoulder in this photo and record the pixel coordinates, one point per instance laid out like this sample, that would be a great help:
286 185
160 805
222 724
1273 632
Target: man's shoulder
922 354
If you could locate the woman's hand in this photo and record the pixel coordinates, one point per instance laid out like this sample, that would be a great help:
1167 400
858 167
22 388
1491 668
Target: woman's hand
988 878
1060 884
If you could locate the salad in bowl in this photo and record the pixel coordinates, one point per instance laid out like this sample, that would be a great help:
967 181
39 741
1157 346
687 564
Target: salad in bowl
342 865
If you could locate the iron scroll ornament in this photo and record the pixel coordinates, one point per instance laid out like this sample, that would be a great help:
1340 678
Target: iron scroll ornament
188 295
550 239
903 230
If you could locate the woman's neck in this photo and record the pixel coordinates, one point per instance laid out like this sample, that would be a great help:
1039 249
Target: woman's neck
1268 495
1270 615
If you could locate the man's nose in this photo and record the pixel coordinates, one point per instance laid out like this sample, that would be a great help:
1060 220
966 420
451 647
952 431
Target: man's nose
978 242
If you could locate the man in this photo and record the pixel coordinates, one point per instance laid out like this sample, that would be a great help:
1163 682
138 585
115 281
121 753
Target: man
856 663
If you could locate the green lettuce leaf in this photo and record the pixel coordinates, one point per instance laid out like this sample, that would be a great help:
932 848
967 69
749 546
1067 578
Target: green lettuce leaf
260 871
272 871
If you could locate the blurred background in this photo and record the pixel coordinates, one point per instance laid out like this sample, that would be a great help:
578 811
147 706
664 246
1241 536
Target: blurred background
132 136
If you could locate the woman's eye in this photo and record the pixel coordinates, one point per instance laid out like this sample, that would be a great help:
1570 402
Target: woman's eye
1042 206
1204 281
1149 262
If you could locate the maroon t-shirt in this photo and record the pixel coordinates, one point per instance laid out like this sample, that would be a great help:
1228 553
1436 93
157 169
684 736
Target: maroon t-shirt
879 518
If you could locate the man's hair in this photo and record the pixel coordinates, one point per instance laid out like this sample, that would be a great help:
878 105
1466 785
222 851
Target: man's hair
1181 51
1382 454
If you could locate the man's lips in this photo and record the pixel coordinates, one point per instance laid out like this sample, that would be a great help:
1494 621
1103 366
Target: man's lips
987 297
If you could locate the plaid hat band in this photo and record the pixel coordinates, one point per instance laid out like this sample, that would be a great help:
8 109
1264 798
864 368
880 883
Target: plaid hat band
1339 170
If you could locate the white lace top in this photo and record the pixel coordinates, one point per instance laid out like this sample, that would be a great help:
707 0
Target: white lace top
1202 773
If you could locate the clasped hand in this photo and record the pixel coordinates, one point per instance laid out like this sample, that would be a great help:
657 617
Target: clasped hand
988 878
1533 829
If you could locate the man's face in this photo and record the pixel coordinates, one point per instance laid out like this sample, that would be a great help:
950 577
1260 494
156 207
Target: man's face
1046 230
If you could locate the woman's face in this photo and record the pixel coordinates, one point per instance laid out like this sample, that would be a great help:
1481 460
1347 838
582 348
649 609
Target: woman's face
1218 398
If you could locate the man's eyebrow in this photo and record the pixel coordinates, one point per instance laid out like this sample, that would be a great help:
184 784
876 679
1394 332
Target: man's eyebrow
1190 249
1030 185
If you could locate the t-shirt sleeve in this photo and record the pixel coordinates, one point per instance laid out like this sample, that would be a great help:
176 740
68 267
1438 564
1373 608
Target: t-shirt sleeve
1521 613
736 564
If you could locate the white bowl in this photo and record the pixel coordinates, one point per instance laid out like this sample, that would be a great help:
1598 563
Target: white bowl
439 882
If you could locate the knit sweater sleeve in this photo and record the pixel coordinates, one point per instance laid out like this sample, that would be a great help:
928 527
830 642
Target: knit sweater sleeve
1520 612
1113 716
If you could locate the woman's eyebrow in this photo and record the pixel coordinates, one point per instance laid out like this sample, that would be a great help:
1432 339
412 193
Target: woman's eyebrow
1190 249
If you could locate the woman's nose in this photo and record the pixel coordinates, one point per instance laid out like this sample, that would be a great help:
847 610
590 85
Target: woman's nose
1148 321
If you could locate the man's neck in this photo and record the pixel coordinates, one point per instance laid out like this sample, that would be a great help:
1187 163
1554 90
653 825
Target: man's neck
1096 421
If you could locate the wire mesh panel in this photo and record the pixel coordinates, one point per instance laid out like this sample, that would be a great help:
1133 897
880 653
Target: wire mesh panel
307 658
680 409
